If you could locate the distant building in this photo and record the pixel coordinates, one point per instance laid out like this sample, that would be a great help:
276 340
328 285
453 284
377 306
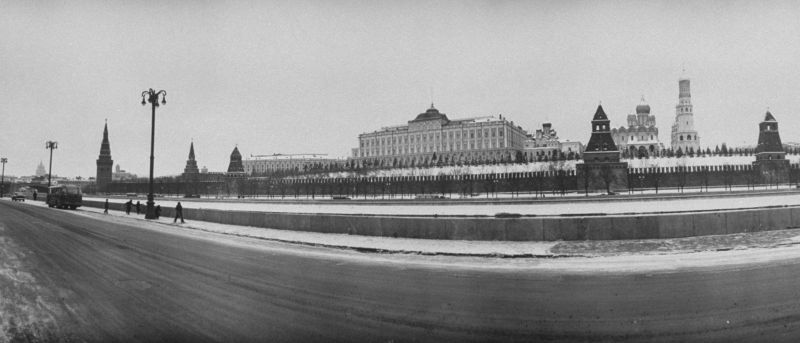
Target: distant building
545 145
122 175
104 163
40 171
268 164
684 135
432 138
640 138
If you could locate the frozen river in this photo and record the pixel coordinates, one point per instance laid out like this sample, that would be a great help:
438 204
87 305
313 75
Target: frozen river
621 205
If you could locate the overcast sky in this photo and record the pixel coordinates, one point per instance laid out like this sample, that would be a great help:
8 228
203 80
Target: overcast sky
308 77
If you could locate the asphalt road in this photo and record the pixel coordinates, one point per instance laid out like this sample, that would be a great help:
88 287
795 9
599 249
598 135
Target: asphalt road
71 276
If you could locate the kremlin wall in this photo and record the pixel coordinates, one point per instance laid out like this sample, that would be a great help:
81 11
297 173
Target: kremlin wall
433 154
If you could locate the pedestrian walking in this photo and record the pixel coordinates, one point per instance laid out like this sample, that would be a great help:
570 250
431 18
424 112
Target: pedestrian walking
35 194
158 211
178 213
128 206
105 208
138 207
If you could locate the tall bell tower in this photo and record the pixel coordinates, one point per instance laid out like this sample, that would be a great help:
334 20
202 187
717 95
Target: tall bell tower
684 136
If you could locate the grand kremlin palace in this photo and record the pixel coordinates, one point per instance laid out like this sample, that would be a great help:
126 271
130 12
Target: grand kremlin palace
433 138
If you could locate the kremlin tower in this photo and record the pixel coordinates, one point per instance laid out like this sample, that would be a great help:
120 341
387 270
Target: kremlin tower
104 163
601 168
191 164
771 162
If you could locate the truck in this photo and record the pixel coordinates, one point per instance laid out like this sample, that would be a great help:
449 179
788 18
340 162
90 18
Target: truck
65 196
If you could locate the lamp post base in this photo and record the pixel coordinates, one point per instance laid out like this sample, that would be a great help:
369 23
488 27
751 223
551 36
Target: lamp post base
150 213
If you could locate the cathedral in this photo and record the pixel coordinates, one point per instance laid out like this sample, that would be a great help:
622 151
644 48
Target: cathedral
640 138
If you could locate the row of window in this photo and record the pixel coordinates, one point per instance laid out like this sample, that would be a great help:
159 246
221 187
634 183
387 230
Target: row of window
451 146
423 137
632 138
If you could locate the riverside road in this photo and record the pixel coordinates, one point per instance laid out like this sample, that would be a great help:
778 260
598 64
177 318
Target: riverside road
78 276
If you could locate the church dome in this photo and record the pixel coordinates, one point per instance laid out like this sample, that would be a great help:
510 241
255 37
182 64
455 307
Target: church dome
643 107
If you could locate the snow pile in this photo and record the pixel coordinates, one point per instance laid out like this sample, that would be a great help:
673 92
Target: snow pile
698 161
461 170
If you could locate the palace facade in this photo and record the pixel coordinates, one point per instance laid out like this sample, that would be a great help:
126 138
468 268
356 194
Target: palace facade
268 164
432 138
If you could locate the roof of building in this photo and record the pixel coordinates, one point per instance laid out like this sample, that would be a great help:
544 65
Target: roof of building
600 114
431 114
769 117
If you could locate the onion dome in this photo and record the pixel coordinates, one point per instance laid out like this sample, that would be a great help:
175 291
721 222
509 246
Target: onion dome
643 108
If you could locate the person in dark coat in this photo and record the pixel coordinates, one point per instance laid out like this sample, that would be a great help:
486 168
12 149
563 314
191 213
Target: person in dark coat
105 208
128 206
158 211
178 213
35 194
138 207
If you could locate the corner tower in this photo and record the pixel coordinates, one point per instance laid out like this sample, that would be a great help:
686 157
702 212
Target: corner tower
684 136
104 163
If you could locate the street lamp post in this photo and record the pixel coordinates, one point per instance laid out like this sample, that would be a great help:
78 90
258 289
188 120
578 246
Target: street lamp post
3 176
50 145
152 98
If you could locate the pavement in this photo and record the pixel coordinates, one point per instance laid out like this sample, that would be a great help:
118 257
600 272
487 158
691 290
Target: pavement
82 275
495 249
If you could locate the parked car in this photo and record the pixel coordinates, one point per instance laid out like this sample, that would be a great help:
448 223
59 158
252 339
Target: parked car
18 196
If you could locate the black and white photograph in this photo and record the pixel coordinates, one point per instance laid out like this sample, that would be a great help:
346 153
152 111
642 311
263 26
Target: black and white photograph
399 171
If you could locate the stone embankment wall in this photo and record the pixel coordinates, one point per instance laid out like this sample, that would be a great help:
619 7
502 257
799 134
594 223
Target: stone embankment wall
586 227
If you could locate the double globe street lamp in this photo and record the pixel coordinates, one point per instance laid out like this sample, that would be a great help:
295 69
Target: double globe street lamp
50 145
152 96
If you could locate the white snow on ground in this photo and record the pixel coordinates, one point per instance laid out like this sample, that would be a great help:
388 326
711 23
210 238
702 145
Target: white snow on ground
606 205
409 250
459 170
550 166
23 311
698 161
